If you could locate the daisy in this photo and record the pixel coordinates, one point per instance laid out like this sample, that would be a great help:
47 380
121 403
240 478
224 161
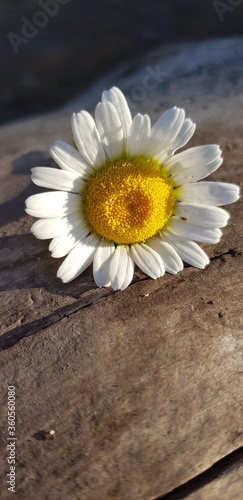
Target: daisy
123 196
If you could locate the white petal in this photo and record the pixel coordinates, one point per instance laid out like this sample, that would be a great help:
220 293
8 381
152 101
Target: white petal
172 262
45 229
87 138
78 259
198 154
116 97
101 263
110 129
184 135
202 215
194 232
194 164
164 132
208 193
53 178
62 245
147 260
129 270
52 204
189 251
68 158
138 135
121 268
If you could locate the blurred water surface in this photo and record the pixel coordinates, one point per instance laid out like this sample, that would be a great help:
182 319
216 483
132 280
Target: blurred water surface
53 49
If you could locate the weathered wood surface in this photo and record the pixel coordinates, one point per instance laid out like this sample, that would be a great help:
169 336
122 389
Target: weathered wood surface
142 387
227 485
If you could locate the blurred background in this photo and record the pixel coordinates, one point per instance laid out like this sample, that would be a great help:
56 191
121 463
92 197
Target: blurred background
51 50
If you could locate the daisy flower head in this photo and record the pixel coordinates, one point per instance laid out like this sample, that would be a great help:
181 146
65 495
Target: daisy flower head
123 197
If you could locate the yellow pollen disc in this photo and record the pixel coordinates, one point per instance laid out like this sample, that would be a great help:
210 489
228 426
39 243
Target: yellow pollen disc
128 201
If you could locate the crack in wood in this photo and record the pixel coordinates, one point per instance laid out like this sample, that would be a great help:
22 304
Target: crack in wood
13 336
196 483
233 252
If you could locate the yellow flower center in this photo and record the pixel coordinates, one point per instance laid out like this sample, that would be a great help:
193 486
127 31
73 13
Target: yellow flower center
128 201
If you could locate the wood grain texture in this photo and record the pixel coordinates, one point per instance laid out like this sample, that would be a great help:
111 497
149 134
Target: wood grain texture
142 391
142 387
227 485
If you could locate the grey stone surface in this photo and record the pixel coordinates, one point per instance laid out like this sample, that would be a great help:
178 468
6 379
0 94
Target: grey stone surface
142 387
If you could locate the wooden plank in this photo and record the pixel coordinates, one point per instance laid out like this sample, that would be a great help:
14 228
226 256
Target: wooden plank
25 262
228 485
142 387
